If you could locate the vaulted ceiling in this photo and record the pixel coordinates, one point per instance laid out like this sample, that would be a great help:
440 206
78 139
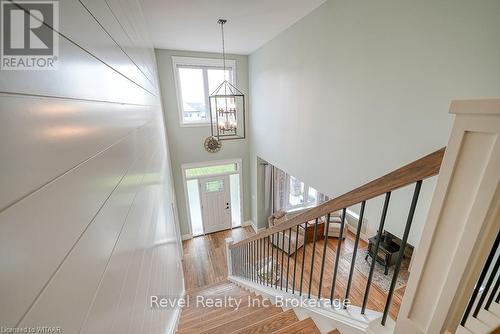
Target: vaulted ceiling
192 24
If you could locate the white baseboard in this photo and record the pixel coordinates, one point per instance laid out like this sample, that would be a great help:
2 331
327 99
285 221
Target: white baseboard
250 223
186 236
172 328
247 223
254 226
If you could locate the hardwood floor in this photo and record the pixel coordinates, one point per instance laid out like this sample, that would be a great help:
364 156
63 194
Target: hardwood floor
205 264
204 259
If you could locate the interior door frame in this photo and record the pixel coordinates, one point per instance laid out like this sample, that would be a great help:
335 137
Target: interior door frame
184 167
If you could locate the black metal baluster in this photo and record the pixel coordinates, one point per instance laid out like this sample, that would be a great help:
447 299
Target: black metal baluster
267 259
492 294
277 260
275 263
282 258
482 276
259 245
272 260
413 205
295 258
261 260
264 259
337 256
303 259
487 287
497 300
355 250
327 227
288 258
312 257
495 290
375 251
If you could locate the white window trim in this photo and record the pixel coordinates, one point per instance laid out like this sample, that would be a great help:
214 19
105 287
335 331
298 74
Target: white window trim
199 62
298 207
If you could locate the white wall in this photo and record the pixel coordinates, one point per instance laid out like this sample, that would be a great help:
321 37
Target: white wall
186 143
87 230
359 88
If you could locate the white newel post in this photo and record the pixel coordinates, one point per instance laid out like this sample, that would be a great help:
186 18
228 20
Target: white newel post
462 223
229 242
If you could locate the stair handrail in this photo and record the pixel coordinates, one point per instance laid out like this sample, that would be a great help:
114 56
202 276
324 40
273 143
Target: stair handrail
415 171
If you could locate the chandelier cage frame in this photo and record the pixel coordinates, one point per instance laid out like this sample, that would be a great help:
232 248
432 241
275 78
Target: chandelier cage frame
227 106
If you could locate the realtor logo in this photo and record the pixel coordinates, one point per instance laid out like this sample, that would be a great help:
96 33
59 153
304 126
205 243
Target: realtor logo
29 40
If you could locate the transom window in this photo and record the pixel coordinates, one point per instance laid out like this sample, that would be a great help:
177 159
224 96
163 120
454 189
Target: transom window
196 79
211 170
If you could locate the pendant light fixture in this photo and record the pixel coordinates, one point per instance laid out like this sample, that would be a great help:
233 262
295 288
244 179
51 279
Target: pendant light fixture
227 105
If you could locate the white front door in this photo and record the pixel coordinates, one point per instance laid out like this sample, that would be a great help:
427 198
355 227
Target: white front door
215 203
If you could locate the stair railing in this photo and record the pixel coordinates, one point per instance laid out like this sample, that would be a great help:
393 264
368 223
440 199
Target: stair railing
246 254
484 284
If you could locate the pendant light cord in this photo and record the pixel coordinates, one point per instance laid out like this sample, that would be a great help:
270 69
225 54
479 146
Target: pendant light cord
222 22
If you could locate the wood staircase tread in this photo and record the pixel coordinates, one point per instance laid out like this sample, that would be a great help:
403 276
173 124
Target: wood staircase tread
193 312
210 286
335 331
207 315
192 302
306 326
213 312
271 324
251 318
212 322
222 291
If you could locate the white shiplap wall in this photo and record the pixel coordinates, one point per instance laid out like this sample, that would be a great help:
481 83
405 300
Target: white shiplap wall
87 228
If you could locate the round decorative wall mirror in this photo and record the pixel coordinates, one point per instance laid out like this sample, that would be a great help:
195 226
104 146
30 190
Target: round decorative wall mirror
212 145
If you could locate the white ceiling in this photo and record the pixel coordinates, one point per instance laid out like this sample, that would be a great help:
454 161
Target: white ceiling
192 24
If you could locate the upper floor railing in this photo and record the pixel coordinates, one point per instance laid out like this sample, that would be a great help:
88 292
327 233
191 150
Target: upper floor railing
261 257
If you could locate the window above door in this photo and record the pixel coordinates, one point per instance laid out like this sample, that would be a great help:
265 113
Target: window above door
219 169
195 80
